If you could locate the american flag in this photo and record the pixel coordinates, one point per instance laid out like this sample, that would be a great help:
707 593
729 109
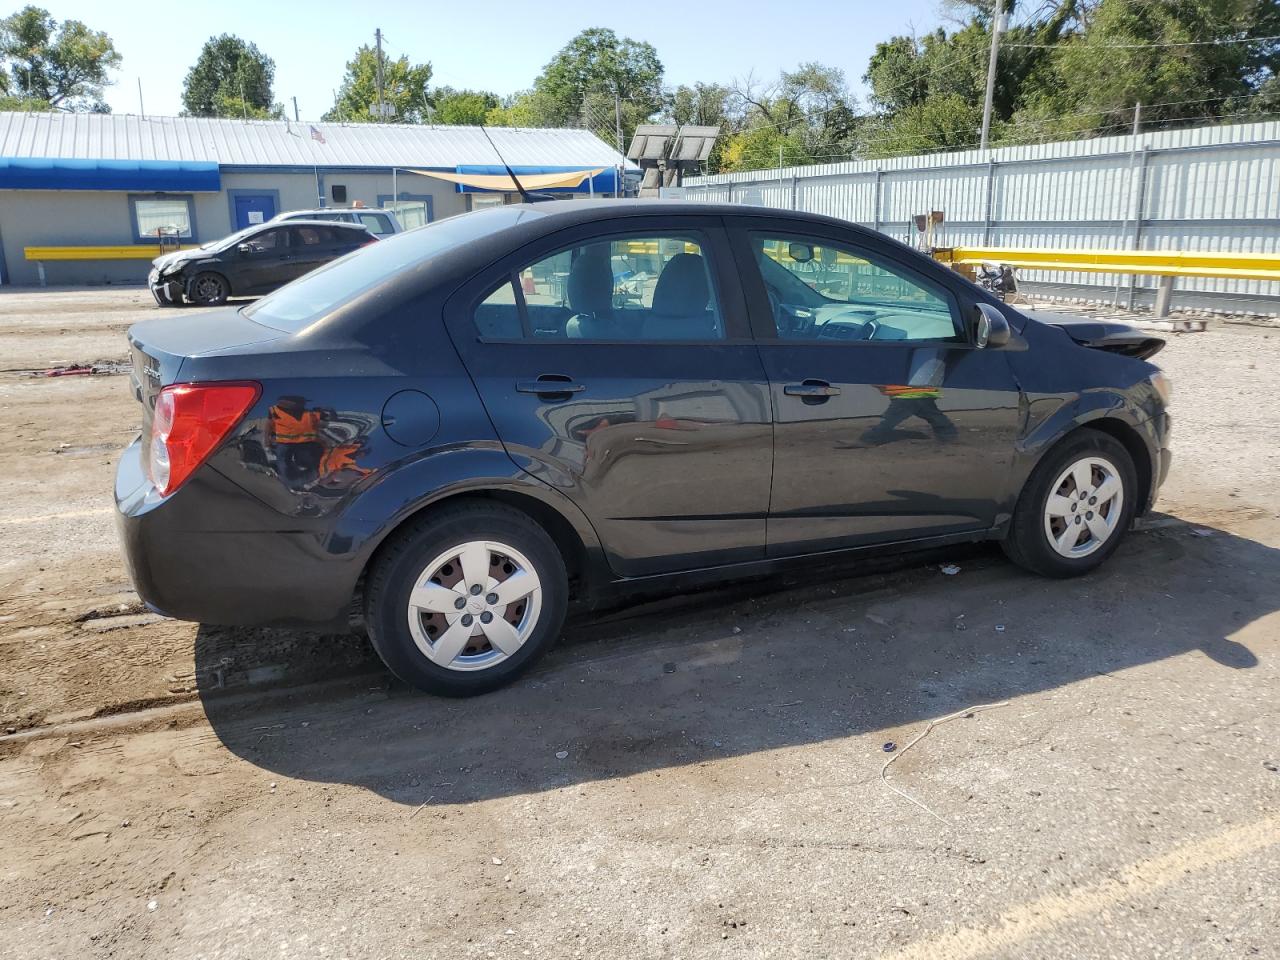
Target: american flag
317 135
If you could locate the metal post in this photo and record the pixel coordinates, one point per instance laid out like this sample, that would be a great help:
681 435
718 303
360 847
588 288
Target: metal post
1164 293
395 190
795 191
997 24
142 111
986 216
617 118
1140 201
875 202
779 173
377 35
295 111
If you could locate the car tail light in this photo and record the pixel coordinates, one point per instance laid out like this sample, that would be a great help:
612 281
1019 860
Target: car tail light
190 420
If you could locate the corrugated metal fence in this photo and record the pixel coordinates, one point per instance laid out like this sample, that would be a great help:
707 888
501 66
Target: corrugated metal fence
1209 188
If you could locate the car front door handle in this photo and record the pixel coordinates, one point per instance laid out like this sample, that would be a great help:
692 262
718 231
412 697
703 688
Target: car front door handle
811 391
549 385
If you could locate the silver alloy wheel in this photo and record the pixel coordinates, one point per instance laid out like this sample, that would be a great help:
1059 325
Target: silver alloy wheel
207 288
474 605
1084 506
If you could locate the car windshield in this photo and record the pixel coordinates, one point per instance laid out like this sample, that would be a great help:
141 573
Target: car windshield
299 304
225 243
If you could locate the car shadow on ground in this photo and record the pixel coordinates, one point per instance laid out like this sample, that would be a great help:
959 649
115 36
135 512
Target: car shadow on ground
738 671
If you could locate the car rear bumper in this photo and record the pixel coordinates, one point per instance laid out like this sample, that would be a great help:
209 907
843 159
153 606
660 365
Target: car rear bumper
211 554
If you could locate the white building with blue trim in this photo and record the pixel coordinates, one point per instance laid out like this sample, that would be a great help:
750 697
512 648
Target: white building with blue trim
86 180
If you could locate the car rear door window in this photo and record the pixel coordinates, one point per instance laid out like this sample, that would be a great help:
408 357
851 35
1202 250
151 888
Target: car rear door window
498 315
625 288
819 290
379 224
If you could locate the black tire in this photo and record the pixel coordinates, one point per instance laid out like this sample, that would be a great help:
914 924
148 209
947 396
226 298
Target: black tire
402 562
208 289
1027 543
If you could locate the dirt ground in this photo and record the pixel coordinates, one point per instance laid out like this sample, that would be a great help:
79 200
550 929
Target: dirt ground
695 778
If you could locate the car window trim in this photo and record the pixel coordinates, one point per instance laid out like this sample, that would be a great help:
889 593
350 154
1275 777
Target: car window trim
706 228
764 324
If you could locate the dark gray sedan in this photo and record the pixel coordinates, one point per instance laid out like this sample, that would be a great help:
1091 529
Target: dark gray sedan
465 426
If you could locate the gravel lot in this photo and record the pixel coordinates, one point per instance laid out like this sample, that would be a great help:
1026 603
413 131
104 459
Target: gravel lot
167 789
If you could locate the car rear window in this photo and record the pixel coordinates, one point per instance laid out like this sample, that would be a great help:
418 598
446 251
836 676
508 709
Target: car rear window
297 305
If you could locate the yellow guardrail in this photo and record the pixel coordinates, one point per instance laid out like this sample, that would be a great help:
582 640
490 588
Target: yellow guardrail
1151 263
132 251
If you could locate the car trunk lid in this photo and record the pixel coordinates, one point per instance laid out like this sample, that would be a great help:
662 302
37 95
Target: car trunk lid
160 348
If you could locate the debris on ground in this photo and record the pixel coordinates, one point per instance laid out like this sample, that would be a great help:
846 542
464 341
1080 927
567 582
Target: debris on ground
949 569
562 754
97 368
966 713
889 747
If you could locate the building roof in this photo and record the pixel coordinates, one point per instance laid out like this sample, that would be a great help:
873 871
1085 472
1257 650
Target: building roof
96 136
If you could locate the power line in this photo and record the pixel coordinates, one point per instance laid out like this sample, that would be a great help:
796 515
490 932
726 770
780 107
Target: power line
1137 46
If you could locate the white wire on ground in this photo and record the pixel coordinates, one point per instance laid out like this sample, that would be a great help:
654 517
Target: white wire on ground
967 712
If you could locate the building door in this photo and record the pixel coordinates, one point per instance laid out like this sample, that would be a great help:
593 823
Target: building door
253 209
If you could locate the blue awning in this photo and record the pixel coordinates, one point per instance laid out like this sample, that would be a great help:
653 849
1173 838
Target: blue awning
603 182
139 176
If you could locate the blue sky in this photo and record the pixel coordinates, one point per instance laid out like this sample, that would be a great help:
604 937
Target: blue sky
492 44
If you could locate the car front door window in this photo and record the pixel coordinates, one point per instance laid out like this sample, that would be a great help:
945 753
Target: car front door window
824 291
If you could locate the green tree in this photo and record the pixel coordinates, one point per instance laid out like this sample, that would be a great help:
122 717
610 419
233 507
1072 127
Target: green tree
1130 53
231 78
517 110
807 113
597 78
404 88
462 107
705 105
52 65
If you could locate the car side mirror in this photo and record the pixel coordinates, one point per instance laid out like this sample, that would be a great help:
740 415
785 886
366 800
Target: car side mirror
990 327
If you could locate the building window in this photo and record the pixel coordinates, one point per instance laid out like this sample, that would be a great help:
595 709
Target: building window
411 209
160 216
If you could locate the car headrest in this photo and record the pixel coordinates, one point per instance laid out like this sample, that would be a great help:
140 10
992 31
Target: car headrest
590 283
681 290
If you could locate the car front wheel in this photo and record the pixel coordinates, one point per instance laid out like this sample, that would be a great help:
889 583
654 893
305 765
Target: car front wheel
465 600
1075 508
208 290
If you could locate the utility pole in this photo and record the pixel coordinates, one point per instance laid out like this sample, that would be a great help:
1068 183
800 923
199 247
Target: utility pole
1137 120
617 117
295 110
377 36
142 111
997 24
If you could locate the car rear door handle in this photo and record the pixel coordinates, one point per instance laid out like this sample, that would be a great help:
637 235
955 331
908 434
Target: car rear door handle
549 385
811 391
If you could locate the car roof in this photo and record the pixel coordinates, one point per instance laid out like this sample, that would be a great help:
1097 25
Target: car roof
320 223
329 211
587 211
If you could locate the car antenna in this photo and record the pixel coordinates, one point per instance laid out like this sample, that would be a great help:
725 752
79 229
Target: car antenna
525 195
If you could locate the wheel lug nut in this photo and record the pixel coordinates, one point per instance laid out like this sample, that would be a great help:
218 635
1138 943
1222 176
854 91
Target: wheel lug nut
475 590
460 603
1089 515
1092 501
491 598
486 617
467 620
1077 518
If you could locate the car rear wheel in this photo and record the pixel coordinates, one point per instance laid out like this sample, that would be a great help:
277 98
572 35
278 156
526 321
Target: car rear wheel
465 600
1075 508
208 289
